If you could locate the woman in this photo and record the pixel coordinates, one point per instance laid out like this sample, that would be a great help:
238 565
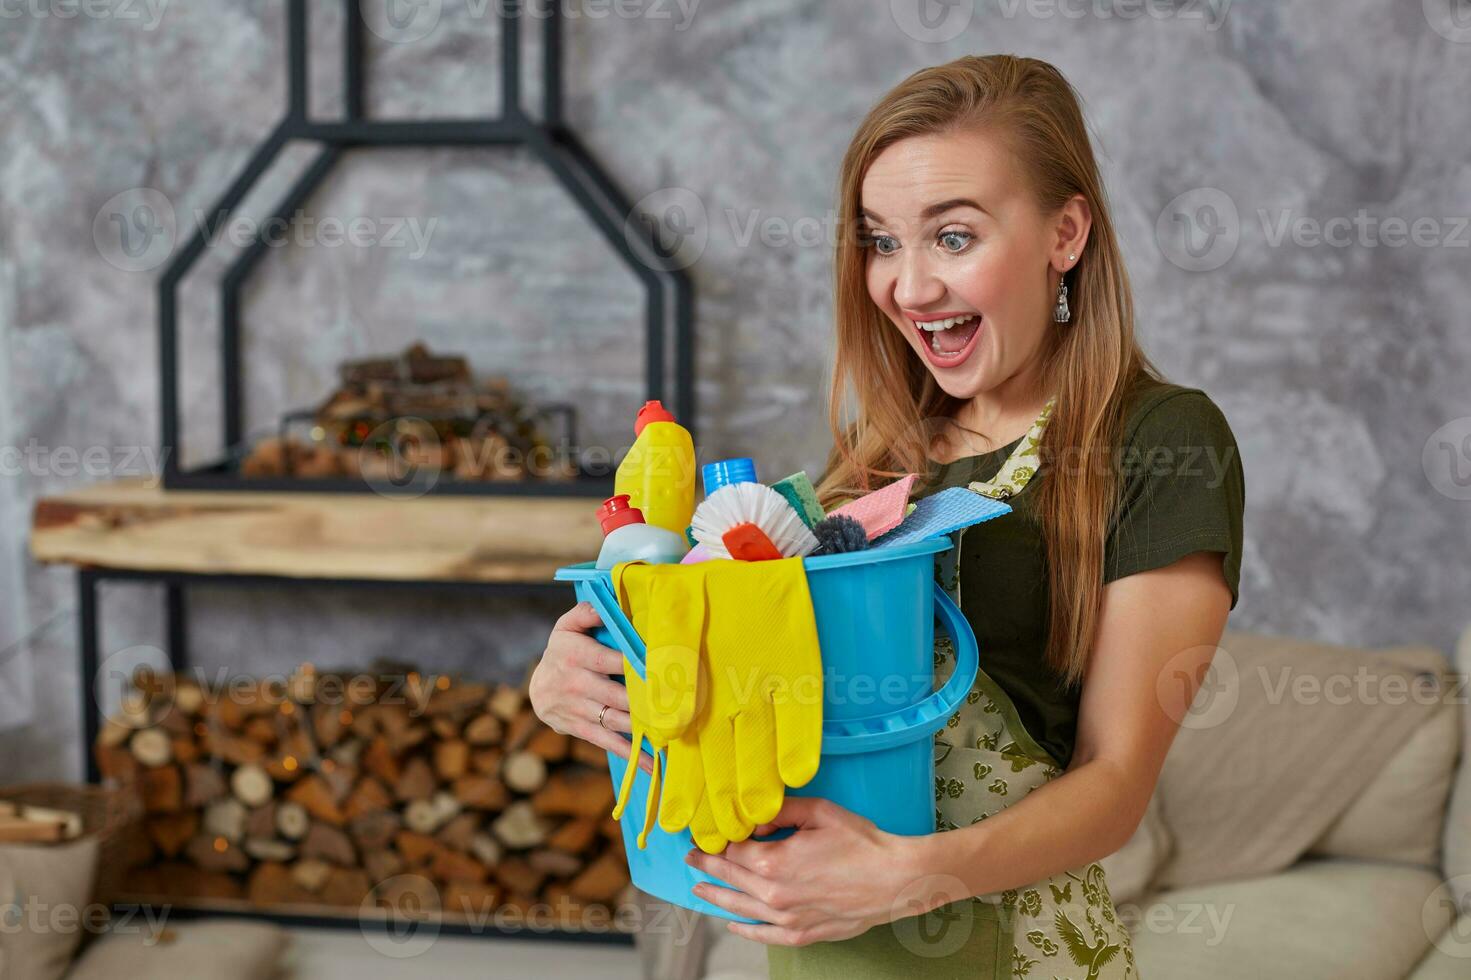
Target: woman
985 330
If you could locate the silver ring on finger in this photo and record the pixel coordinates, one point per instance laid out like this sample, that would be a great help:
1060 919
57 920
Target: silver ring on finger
600 715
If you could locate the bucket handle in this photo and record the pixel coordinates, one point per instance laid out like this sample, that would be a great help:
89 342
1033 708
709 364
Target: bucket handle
844 737
901 726
617 623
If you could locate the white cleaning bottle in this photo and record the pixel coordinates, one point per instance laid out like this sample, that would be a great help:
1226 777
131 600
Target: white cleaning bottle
628 538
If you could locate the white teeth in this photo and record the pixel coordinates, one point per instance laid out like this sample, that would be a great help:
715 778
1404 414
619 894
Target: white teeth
946 324
935 344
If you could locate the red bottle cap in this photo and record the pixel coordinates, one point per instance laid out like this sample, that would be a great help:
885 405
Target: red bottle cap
615 513
653 411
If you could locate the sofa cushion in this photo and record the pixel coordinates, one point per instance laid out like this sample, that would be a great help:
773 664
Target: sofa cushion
1279 743
1450 957
1319 920
1401 814
1457 862
46 890
217 950
1131 869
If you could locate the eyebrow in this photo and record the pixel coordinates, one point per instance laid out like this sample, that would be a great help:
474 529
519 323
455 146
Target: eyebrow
934 210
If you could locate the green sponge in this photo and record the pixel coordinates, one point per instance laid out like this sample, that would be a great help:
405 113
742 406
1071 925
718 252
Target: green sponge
798 491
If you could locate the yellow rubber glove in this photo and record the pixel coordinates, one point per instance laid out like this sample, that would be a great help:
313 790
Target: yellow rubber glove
758 722
763 728
638 712
684 802
662 703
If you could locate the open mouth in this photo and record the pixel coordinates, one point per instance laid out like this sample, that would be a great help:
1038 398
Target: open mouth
948 340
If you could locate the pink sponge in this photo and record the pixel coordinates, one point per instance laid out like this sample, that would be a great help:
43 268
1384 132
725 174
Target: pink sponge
881 510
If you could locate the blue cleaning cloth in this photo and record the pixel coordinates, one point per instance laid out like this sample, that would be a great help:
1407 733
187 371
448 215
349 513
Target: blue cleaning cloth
943 512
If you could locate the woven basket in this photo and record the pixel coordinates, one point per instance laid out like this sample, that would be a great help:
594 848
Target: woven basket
113 816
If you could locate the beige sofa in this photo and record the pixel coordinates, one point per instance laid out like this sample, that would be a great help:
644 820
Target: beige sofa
1313 820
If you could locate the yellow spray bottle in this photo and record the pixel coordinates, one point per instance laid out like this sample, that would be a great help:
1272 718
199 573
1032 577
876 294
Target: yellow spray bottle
658 474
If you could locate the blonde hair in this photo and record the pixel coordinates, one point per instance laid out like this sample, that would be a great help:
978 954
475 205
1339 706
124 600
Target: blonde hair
1090 363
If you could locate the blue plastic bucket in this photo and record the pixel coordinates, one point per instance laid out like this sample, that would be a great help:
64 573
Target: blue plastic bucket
875 613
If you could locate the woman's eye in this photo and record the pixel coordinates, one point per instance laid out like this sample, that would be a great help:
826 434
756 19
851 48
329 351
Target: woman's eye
956 241
884 244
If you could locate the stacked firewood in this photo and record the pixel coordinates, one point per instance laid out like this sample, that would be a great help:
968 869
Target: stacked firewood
404 448
365 789
419 411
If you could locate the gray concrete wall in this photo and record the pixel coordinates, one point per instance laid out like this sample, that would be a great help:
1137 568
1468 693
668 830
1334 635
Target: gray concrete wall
1342 365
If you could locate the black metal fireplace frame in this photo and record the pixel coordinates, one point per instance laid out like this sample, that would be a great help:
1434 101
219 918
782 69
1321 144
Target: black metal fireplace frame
669 290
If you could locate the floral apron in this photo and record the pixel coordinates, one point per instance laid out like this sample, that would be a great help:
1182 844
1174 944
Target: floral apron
1061 928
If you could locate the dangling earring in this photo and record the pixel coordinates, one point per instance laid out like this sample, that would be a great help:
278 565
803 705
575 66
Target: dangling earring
1061 313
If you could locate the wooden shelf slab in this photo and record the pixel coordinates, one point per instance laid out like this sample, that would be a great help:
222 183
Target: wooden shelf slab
135 525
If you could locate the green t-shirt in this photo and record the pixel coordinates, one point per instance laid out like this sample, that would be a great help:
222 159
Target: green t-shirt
1183 491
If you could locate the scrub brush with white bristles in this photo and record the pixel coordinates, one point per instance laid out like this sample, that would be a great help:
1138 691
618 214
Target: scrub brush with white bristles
751 522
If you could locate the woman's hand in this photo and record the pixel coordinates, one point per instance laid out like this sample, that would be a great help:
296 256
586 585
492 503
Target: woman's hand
838 876
571 685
